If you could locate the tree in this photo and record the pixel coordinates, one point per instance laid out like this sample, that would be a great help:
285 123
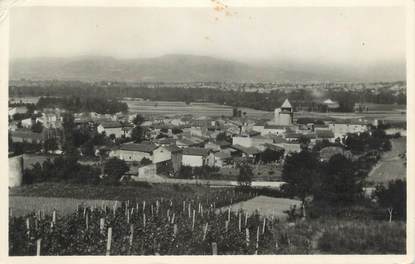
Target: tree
269 155
137 134
50 144
223 137
115 169
304 142
301 173
68 126
145 161
37 127
393 198
341 181
138 120
245 176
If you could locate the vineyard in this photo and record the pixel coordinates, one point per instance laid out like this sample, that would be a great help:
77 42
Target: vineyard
163 227
200 225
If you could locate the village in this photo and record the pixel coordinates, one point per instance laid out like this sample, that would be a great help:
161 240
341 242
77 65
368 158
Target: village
165 148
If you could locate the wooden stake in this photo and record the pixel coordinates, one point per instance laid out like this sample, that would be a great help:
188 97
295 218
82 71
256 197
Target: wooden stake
239 222
193 220
174 230
144 206
109 237
205 231
101 224
247 236
54 217
144 220
229 214
172 219
263 226
246 219
189 209
38 245
86 221
257 241
214 248
184 206
131 234
226 225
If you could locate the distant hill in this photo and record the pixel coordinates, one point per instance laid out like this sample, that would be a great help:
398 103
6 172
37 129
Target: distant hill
188 68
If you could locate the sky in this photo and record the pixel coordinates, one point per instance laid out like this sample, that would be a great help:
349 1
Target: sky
349 35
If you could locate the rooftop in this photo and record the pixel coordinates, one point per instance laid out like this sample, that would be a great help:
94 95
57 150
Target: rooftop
147 148
196 151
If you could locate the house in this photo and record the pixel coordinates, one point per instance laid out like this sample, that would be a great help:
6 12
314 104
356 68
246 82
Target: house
27 122
50 120
246 152
197 157
114 128
341 129
274 129
217 145
176 157
17 110
325 135
26 135
222 158
136 152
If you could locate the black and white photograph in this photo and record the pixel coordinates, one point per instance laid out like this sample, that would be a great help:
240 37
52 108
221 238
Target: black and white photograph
216 128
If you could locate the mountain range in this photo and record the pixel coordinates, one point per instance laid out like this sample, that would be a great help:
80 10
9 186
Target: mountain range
189 68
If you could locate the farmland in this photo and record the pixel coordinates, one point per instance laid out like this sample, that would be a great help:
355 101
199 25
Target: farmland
194 227
155 108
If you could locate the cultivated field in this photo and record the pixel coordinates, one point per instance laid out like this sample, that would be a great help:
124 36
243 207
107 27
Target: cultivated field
164 108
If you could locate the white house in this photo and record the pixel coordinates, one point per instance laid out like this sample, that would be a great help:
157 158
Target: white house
197 157
114 128
136 152
27 123
342 129
273 130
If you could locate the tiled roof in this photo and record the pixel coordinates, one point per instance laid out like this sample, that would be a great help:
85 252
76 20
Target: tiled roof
147 148
324 134
273 147
268 126
111 124
173 148
250 151
196 151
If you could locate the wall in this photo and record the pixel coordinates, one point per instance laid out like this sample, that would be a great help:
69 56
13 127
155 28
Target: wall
243 141
15 171
193 161
161 154
133 155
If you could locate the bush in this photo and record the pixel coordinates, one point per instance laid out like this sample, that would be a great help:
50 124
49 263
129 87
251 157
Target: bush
364 238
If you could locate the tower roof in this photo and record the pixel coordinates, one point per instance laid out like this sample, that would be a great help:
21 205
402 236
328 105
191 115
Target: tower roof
286 104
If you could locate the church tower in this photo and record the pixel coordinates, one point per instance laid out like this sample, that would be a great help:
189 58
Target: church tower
283 116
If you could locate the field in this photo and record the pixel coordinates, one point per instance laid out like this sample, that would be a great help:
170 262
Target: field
266 206
164 108
390 166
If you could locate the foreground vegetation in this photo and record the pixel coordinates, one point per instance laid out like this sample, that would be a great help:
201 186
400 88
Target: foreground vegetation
195 227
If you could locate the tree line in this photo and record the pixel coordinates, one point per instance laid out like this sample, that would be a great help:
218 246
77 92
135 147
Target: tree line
261 101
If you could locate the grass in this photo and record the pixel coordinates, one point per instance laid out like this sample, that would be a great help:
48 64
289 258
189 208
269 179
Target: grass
144 191
390 166
372 237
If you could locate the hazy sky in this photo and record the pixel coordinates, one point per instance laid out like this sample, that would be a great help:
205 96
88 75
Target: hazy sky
324 34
